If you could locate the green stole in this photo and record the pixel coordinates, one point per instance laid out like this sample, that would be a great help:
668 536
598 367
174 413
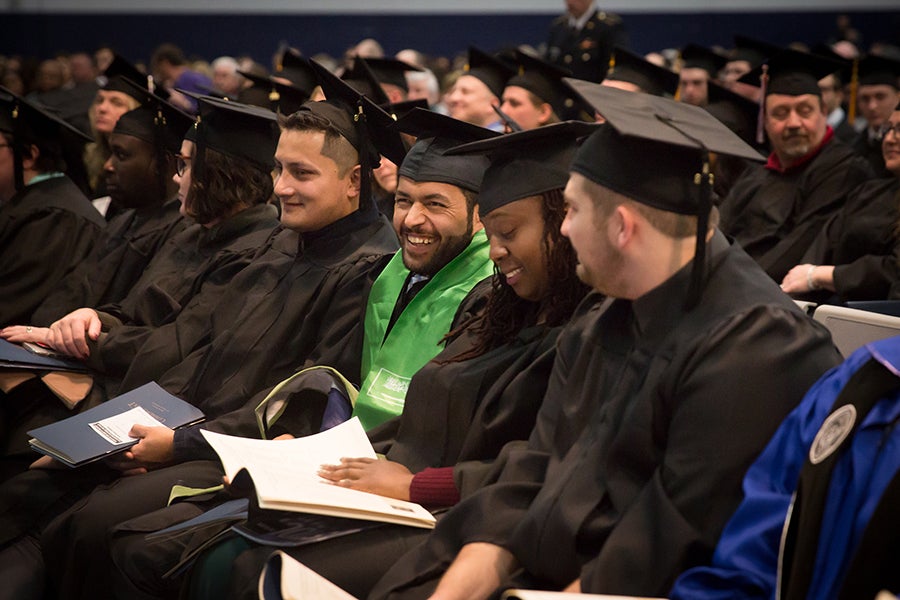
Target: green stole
389 363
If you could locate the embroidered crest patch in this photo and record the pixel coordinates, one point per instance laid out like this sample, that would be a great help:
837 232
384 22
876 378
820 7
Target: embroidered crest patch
833 432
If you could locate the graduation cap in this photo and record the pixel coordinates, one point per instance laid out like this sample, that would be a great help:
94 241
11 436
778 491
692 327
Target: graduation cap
631 68
155 121
526 163
28 124
752 50
491 71
362 79
736 112
544 80
694 56
675 138
279 97
296 69
118 72
241 131
428 159
879 70
389 70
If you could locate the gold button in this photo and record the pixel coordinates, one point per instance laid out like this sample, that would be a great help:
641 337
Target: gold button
590 25
585 57
567 58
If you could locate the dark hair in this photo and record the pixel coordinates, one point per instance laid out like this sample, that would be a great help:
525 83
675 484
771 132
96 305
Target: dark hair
336 147
170 53
506 314
226 185
50 152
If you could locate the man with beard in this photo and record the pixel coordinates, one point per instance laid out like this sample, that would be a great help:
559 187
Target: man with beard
138 178
775 211
651 414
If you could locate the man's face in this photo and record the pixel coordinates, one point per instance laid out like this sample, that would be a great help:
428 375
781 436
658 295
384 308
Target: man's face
832 96
7 170
890 145
183 173
131 173
518 105
876 103
470 100
312 191
795 124
433 223
226 80
578 7
108 107
599 261
692 86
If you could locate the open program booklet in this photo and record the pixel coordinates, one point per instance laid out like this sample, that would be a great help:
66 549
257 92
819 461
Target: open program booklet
284 475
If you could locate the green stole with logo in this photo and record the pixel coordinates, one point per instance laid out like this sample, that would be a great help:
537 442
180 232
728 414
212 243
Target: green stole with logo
388 363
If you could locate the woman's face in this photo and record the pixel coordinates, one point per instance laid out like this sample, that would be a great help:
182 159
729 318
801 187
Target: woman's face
516 235
108 107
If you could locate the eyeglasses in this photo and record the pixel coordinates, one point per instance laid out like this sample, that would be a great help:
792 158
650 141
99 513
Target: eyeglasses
181 164
888 127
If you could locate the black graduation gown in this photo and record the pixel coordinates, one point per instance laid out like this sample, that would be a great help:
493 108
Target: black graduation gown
300 303
776 216
650 419
585 52
192 269
862 243
457 414
46 230
870 150
127 246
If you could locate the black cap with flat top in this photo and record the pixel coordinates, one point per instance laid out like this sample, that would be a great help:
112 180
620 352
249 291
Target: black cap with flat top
631 68
544 80
491 71
792 73
296 69
156 121
526 163
281 97
694 56
656 152
249 133
879 70
388 70
428 160
752 50
736 112
120 70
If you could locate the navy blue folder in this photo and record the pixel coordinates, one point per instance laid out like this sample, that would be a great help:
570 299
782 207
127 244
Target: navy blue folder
73 442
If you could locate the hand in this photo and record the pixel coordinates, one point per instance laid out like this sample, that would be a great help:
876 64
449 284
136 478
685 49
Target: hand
476 572
154 450
574 587
26 333
46 462
69 334
797 280
382 477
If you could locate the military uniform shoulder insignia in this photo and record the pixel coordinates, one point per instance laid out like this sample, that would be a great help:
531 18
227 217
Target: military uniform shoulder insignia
607 17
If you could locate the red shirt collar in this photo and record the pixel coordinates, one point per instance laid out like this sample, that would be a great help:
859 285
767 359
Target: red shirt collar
775 165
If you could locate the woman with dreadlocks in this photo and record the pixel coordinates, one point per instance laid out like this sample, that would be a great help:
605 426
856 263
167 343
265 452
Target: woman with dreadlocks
481 392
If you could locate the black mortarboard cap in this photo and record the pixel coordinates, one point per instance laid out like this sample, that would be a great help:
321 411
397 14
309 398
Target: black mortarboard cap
279 97
736 112
296 69
694 56
879 70
526 163
32 124
792 73
491 71
652 79
361 78
752 50
238 130
846 71
428 160
120 70
389 70
675 138
544 80
156 121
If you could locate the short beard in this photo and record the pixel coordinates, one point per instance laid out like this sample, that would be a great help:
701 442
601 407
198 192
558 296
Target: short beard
450 249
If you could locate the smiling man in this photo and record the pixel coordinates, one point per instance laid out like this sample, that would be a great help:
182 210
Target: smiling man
775 211
444 253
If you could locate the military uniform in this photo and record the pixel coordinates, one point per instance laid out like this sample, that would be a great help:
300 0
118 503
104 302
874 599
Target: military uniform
585 51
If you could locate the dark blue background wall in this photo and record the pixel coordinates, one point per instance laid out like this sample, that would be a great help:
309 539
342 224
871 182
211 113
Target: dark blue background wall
209 36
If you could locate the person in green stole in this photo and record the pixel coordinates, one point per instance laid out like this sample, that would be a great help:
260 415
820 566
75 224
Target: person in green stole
444 252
